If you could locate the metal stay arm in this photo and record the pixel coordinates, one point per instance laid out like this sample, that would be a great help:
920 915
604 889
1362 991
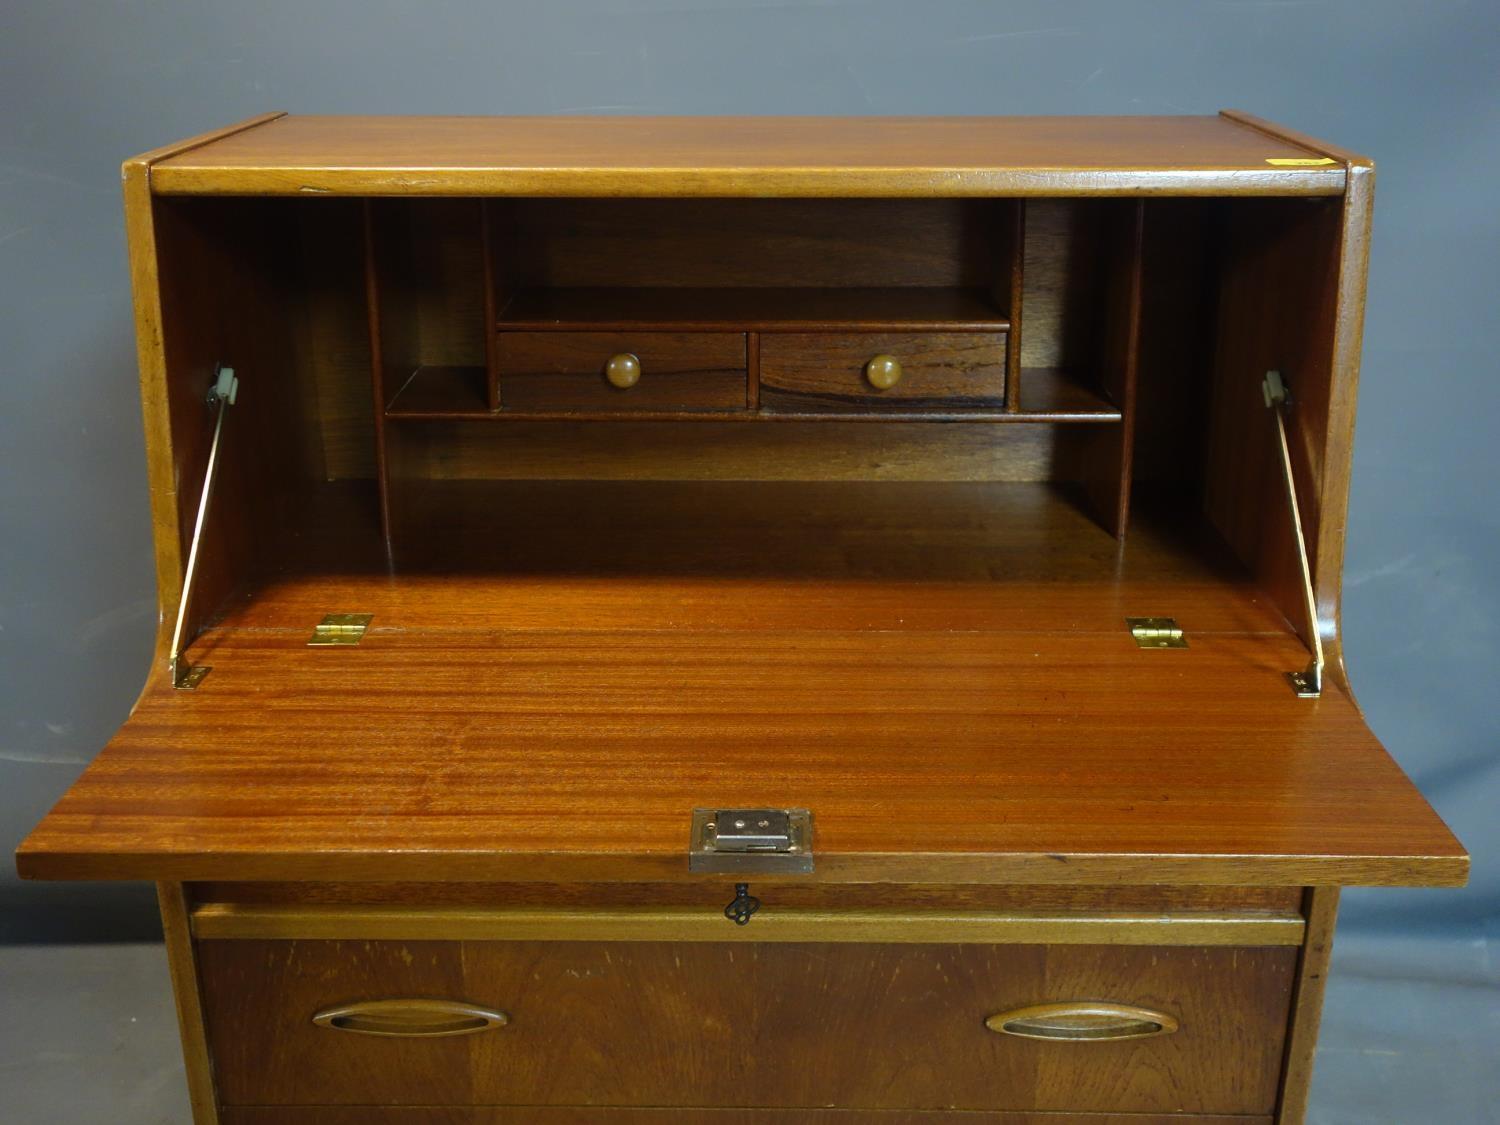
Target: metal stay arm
1308 683
221 395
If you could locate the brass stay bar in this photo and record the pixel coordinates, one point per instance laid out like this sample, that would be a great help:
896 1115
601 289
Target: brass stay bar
1308 683
222 394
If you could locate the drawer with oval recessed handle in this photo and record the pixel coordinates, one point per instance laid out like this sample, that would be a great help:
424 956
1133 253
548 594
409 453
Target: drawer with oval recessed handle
657 1115
620 372
882 372
888 1025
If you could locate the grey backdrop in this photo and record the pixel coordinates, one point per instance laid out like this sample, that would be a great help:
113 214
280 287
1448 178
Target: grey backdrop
1413 85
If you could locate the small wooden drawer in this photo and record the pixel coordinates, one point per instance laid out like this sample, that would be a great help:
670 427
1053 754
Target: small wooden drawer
1148 1029
894 372
570 372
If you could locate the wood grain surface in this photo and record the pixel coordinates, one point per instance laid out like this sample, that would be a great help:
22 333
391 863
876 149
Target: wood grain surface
1322 420
690 555
843 926
160 404
660 1115
661 1024
752 445
748 156
1321 909
770 244
564 371
773 893
559 671
923 755
989 722
781 309
941 371
182 961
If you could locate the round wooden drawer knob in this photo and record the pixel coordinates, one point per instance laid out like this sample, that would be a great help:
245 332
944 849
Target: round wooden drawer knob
623 370
883 372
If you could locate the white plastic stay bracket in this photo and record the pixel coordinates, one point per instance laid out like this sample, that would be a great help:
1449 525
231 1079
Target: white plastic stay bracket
221 397
1308 684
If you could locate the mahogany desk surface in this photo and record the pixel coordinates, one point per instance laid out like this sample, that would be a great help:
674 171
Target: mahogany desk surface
560 718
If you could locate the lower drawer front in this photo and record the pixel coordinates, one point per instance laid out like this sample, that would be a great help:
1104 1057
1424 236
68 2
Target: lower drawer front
535 1115
750 1025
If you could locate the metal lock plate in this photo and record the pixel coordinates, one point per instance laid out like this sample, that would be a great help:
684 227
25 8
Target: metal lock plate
752 830
759 841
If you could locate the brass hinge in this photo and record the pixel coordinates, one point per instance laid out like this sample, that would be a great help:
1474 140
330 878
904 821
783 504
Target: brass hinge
340 629
1156 632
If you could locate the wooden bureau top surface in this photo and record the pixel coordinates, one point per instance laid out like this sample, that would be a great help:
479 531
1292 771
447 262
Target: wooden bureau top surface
560 717
750 156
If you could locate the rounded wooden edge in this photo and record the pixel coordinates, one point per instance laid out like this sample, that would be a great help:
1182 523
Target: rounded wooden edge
224 920
739 183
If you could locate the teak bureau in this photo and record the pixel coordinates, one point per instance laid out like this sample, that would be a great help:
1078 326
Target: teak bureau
748 621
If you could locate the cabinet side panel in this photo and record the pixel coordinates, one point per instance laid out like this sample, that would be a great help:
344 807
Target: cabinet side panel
140 232
141 239
1354 262
1307 1004
1279 303
233 288
183 963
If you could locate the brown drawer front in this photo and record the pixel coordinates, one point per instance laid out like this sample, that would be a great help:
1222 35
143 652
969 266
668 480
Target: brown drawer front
588 1115
760 1025
945 372
545 372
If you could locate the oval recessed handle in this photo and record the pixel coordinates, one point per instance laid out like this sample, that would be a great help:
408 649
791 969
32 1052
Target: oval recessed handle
623 370
1082 1021
411 1018
883 371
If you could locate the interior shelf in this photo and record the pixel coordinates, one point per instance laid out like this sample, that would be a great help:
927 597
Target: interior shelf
1050 394
441 392
769 309
437 392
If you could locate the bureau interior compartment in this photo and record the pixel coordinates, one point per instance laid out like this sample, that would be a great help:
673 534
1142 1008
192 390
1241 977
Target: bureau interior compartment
917 627
372 441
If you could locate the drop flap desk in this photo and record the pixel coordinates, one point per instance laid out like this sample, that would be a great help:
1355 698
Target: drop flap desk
748 621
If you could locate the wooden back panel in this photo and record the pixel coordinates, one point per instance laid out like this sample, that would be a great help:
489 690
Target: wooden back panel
333 354
749 242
